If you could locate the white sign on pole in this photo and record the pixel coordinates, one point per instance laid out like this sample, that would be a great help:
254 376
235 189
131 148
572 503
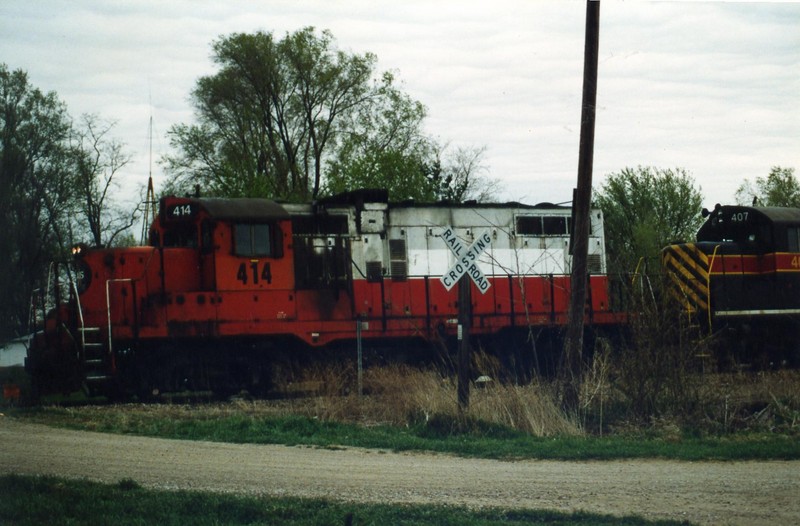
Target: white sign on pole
466 260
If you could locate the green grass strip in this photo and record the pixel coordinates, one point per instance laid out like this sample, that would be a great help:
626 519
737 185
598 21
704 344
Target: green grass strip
48 500
468 439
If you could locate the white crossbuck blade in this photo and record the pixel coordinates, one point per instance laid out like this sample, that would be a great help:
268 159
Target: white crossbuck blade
466 260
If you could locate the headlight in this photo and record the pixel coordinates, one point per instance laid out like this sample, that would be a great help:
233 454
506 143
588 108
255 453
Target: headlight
78 250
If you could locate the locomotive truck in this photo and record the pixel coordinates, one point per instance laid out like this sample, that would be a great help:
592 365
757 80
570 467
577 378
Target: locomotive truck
226 285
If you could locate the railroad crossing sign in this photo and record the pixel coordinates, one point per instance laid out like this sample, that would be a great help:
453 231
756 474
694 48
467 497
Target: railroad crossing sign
466 260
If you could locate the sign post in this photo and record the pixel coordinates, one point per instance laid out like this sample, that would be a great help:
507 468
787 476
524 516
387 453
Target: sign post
464 355
466 264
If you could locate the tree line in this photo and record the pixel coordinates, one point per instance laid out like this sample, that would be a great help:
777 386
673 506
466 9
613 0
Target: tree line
293 118
57 177
647 208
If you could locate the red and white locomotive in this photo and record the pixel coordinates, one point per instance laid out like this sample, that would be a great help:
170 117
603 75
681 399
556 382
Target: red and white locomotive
225 284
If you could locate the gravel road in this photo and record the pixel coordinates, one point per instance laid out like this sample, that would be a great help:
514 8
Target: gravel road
701 492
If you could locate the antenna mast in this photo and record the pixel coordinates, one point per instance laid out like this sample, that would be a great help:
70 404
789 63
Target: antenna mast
150 199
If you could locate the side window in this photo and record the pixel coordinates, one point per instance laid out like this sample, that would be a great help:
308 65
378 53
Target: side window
261 240
252 240
794 239
529 225
543 225
555 225
243 242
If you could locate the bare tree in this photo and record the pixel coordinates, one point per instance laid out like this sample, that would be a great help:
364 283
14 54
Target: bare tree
97 160
463 175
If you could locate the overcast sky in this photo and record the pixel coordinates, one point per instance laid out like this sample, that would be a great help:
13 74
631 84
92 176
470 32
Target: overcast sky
712 87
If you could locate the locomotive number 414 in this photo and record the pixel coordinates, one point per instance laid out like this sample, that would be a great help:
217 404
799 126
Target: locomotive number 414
245 273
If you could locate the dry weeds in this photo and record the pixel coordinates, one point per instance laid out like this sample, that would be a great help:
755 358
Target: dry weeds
401 395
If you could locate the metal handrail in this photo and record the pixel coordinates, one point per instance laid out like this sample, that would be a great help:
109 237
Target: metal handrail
80 315
42 294
108 295
708 282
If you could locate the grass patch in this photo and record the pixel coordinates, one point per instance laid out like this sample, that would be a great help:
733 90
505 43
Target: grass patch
734 417
49 500
255 423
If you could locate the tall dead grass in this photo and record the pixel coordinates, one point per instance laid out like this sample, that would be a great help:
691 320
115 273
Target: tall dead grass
688 398
403 395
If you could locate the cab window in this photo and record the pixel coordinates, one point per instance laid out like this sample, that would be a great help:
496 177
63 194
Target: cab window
181 236
252 240
207 236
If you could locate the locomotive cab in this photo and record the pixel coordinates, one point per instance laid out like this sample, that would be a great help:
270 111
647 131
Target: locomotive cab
741 229
221 256
743 273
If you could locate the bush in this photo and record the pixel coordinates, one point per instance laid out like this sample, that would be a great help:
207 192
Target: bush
656 368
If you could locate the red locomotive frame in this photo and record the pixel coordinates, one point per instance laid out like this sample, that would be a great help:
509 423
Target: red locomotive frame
220 275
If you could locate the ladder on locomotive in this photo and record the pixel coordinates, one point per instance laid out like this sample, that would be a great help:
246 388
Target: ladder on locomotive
94 355
95 358
93 350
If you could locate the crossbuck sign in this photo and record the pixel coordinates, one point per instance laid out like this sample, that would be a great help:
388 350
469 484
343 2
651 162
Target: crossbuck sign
466 260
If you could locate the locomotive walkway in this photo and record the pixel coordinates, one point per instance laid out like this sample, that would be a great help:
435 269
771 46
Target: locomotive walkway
701 492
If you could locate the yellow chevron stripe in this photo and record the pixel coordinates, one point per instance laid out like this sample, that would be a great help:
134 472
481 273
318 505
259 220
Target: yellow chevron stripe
699 254
690 260
687 267
685 294
699 282
676 295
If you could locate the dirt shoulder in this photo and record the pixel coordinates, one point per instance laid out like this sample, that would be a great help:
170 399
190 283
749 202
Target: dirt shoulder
701 492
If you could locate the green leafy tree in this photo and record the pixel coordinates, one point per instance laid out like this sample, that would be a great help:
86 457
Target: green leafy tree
55 186
273 115
296 118
419 170
382 146
645 209
779 188
35 191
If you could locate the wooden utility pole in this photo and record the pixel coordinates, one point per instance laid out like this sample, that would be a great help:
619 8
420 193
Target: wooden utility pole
573 343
